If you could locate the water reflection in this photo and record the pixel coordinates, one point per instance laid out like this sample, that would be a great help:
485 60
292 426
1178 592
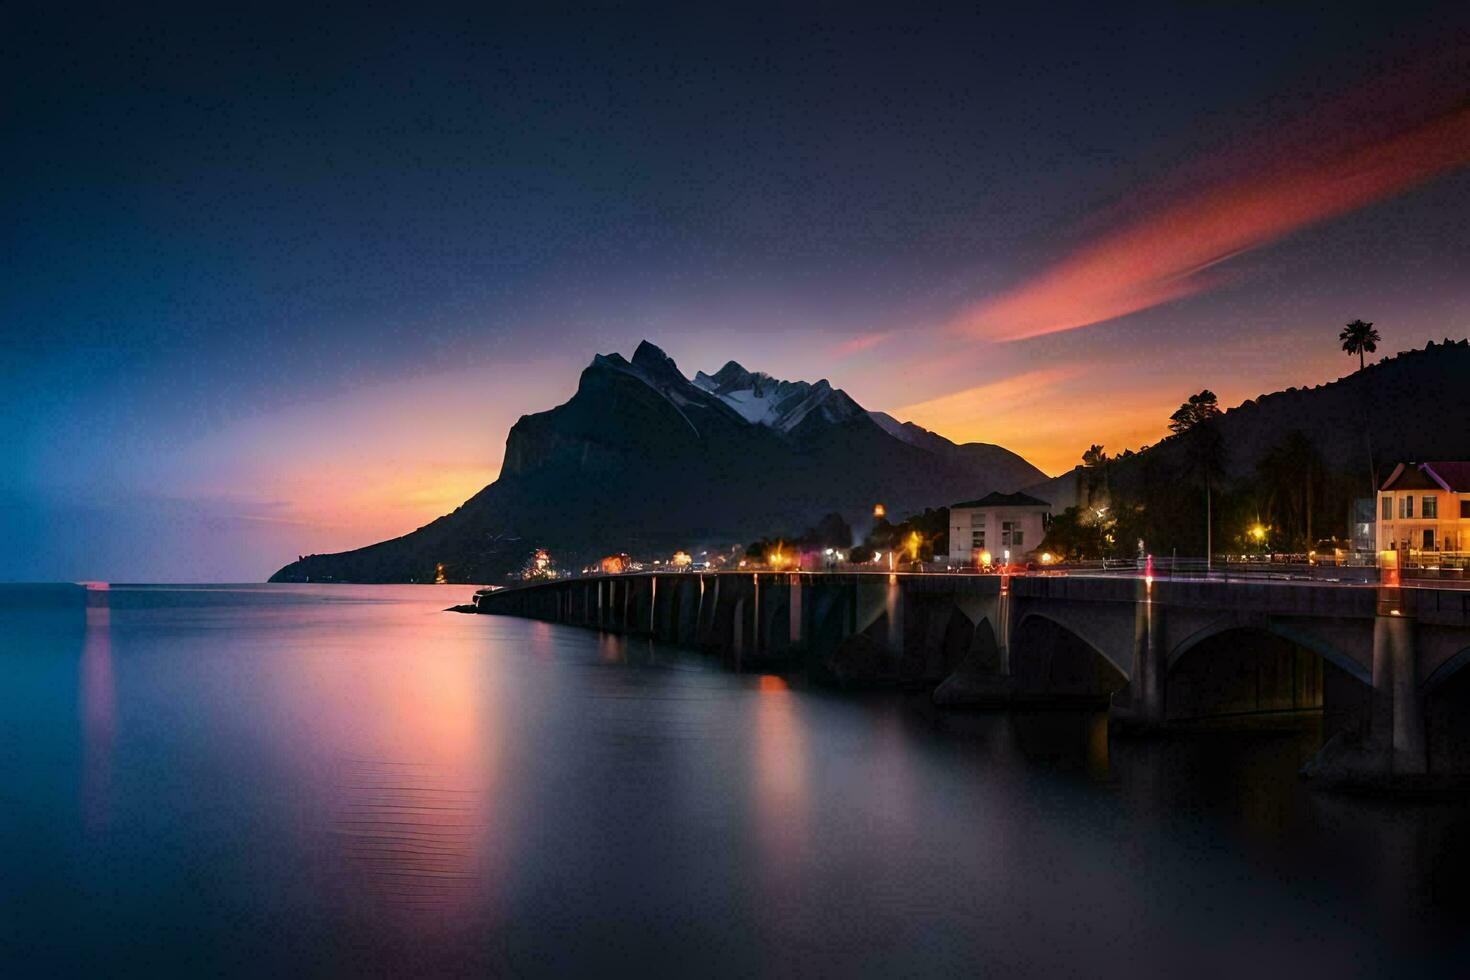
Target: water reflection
780 782
409 833
409 736
1098 758
321 786
611 648
1066 738
97 707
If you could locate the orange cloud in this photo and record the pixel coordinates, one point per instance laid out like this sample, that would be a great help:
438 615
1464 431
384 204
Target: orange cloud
1005 412
1165 255
1050 415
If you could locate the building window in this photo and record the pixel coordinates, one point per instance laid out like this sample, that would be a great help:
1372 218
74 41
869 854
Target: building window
1431 508
1465 510
977 538
1011 535
1429 539
1406 506
1387 507
977 520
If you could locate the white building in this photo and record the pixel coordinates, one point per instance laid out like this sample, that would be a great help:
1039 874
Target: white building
1425 507
997 528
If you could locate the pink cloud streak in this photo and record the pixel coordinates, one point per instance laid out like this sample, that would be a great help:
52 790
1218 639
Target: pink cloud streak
1165 255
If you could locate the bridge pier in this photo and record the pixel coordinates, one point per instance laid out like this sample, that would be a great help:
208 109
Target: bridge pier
1385 668
1150 664
1398 706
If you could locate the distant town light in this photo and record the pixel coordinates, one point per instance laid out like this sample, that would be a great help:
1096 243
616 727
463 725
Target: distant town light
1046 558
879 511
1258 532
985 558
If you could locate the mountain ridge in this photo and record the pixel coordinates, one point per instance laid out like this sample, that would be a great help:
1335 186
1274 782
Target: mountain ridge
642 458
1363 421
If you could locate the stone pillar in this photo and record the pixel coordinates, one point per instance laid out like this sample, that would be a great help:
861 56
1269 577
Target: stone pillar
1398 707
653 606
893 609
755 615
1150 660
795 634
1002 632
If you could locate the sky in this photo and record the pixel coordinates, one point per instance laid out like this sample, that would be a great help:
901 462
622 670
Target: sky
279 281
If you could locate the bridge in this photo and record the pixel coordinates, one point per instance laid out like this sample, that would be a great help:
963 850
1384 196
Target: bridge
1383 666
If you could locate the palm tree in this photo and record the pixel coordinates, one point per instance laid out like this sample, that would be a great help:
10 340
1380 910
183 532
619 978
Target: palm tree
1205 449
1358 337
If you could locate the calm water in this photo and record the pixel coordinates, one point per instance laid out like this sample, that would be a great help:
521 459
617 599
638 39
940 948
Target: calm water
345 780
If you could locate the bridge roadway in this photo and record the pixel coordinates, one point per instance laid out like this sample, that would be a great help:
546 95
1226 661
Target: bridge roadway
1382 665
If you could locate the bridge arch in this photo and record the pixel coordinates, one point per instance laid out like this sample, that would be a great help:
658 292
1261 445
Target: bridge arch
1051 657
1302 638
1098 646
1447 715
1445 671
1252 665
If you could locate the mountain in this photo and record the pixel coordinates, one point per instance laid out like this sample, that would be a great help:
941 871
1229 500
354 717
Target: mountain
642 459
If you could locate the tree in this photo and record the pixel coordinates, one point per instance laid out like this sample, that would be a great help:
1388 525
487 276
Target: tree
1199 408
1206 450
830 532
1076 534
932 527
1094 463
1288 483
1358 337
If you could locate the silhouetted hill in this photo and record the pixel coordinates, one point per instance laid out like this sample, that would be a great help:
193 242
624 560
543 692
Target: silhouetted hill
1412 406
641 459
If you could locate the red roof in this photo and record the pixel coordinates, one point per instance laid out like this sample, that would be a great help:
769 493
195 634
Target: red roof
1452 475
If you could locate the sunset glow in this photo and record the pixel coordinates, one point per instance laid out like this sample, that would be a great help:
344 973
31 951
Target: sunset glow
1175 252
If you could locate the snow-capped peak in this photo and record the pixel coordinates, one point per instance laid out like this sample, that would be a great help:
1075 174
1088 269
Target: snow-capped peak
781 405
754 396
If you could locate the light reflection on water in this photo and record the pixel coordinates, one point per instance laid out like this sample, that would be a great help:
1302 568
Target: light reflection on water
780 787
98 716
345 780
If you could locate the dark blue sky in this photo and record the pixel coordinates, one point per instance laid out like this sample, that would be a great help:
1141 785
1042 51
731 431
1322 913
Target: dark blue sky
278 281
